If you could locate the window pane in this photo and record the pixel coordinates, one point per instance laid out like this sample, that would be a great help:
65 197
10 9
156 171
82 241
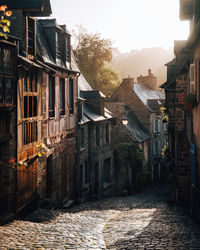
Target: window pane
62 96
71 97
51 96
1 91
35 106
25 81
67 49
25 107
35 82
31 37
7 61
31 82
30 106
57 45
8 91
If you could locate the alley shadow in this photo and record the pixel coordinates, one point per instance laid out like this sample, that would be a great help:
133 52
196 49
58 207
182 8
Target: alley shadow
147 198
144 199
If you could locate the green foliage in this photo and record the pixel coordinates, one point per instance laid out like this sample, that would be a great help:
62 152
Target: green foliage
94 55
129 155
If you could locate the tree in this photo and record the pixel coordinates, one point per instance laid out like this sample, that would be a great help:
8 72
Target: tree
94 55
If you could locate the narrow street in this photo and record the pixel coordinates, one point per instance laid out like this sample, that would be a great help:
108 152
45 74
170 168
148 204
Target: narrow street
142 221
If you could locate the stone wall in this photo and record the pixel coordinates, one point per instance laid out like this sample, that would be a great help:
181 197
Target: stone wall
126 94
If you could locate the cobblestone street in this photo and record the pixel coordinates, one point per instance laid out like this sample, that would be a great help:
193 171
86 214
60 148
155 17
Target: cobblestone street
142 221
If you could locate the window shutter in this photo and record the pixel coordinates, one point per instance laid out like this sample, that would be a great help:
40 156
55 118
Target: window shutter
158 126
154 126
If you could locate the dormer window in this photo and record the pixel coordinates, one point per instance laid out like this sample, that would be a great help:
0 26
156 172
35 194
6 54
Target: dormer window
58 45
68 48
31 43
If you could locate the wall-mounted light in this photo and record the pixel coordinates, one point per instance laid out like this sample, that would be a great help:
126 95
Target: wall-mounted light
124 120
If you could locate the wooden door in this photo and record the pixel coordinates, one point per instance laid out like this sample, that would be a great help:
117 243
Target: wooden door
26 184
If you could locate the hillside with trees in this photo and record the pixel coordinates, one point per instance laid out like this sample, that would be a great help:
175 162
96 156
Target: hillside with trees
137 62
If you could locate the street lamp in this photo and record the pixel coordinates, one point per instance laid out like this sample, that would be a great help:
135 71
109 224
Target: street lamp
124 120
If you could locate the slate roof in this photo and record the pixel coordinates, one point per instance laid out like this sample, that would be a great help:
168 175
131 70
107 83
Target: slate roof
92 94
50 23
44 52
83 85
144 93
155 104
93 116
135 128
30 5
171 63
43 47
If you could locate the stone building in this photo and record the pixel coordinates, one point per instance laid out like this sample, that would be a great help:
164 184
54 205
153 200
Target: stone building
128 128
8 133
146 103
182 90
19 182
95 159
59 108
177 110
41 112
150 80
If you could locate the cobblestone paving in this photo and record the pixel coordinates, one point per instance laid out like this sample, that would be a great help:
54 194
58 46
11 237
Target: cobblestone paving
142 221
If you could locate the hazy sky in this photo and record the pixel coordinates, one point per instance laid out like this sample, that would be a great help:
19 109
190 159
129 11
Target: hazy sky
130 24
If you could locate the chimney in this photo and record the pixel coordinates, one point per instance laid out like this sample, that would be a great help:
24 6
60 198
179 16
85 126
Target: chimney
149 72
128 81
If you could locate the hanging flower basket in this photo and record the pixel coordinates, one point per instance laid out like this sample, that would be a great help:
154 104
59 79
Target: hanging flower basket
165 119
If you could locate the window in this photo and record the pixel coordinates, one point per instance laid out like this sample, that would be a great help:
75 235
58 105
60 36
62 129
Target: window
6 78
107 132
62 96
165 127
71 96
192 79
58 38
30 107
87 173
80 111
30 94
107 171
4 124
31 36
68 48
97 135
156 126
51 96
156 147
82 138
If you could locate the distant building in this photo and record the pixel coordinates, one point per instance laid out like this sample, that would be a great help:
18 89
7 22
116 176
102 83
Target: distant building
150 80
145 103
94 154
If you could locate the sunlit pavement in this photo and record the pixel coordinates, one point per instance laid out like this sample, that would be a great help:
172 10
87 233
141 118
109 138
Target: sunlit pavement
142 221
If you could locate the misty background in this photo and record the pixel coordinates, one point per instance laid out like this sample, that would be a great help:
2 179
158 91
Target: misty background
137 62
